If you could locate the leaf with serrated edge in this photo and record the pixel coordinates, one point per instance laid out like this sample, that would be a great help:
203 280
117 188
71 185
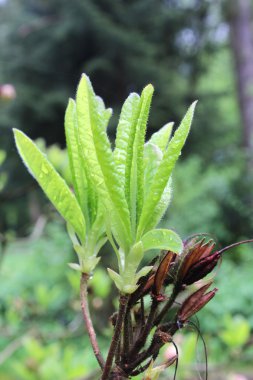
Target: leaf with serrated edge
137 168
105 113
98 153
51 182
161 137
152 158
77 170
162 205
164 171
125 139
162 239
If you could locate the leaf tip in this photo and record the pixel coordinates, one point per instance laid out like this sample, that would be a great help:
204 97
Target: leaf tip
193 105
149 89
17 135
85 76
71 102
16 131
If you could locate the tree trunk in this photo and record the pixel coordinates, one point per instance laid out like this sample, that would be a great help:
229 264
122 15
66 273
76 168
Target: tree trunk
242 45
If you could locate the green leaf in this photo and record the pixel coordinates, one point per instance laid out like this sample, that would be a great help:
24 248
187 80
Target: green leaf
116 278
75 266
96 237
129 147
162 239
53 185
152 158
125 140
97 151
161 137
105 113
77 170
162 205
133 260
164 171
137 167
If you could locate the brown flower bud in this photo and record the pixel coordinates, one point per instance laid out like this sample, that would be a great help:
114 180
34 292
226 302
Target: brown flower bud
195 302
149 284
196 261
201 268
193 252
162 272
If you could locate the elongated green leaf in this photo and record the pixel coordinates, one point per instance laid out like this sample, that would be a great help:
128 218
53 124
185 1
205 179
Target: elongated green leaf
53 185
164 171
105 113
77 170
137 167
152 158
162 239
161 137
125 140
98 153
97 230
162 205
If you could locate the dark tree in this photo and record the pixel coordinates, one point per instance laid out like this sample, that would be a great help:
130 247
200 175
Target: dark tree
241 17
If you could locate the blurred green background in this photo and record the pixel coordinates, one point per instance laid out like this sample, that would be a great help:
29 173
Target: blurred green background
188 49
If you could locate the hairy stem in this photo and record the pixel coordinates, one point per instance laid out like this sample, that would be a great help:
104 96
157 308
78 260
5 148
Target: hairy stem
127 337
87 319
116 337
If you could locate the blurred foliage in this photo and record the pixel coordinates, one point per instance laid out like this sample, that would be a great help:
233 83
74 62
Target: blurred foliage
199 200
3 176
42 330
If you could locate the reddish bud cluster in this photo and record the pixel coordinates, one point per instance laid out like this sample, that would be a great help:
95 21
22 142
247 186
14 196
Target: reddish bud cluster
197 260
165 314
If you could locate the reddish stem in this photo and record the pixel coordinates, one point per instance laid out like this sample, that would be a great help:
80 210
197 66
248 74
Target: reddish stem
87 319
115 340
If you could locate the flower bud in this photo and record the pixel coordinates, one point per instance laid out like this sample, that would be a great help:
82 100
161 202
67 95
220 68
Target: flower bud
200 269
162 272
196 261
195 302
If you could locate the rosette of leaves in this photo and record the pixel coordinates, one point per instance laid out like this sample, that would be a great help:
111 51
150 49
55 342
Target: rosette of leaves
123 191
